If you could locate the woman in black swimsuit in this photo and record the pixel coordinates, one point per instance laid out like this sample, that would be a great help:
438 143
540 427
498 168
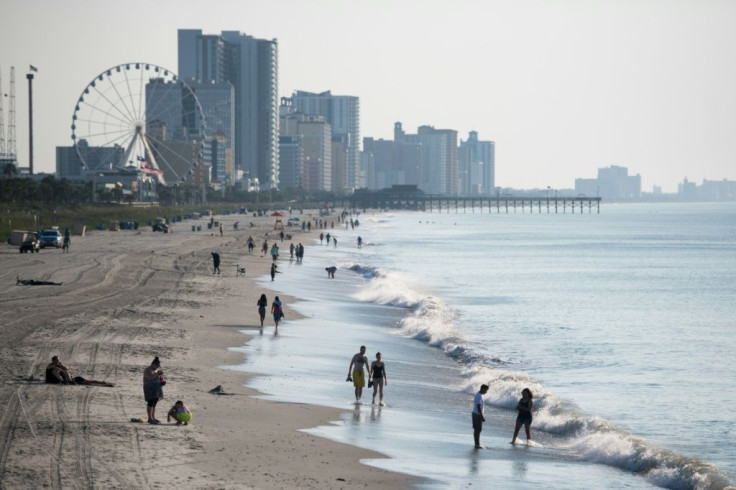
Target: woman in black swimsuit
524 418
379 378
262 303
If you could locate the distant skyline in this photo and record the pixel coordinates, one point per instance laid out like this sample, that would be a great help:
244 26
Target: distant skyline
562 87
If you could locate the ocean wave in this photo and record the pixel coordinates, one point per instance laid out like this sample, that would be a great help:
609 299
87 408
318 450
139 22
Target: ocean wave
589 438
367 271
592 438
428 318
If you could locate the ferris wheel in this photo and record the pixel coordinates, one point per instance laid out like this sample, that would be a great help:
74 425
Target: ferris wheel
139 116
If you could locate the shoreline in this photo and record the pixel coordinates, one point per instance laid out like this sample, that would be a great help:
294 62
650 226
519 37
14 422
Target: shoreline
120 304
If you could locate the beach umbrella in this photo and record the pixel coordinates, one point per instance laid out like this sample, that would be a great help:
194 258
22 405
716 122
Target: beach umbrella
277 213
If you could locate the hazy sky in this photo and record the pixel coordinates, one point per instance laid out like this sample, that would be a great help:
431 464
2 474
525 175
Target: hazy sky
562 87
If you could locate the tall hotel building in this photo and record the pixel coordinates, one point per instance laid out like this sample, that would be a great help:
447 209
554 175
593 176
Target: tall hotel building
477 166
250 65
342 112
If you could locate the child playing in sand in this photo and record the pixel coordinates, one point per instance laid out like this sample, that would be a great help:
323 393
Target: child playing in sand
180 412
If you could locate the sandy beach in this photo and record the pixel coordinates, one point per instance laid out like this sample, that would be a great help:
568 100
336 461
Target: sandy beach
126 297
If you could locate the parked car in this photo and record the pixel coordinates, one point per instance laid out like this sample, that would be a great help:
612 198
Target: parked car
51 238
30 245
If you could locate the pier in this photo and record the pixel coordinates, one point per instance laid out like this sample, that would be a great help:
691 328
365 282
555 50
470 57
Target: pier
498 204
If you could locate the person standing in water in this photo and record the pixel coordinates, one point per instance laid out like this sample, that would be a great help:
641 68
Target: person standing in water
277 308
525 405
274 271
357 364
262 303
379 378
478 417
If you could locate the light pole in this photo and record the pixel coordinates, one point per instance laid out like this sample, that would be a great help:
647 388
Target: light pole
29 76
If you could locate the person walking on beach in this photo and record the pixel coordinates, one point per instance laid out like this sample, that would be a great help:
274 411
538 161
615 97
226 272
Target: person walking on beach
215 263
358 363
379 378
525 405
291 252
251 245
478 417
275 252
299 253
262 303
153 389
277 308
67 240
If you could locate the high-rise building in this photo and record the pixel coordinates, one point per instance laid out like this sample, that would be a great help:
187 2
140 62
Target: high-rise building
390 163
250 65
438 167
340 152
291 161
316 146
217 100
342 112
476 166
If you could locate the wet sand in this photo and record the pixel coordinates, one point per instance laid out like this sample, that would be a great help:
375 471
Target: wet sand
127 297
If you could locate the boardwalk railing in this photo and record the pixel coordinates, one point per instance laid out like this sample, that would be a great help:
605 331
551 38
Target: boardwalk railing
499 204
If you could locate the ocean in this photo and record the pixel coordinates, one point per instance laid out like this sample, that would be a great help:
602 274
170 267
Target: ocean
621 323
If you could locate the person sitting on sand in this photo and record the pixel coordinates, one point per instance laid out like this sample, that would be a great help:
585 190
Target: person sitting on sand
180 412
57 373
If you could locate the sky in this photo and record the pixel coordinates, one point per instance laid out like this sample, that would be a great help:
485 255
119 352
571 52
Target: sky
562 87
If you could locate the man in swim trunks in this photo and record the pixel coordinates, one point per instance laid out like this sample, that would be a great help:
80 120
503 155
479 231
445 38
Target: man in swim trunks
358 364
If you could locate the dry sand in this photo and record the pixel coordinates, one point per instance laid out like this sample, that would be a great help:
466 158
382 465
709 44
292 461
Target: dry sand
127 297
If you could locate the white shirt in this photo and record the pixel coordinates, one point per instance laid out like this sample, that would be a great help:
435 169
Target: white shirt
478 400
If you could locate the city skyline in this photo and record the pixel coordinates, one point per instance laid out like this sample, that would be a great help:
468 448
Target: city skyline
562 89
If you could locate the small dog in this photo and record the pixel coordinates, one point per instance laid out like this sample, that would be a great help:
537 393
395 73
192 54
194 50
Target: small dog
239 271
